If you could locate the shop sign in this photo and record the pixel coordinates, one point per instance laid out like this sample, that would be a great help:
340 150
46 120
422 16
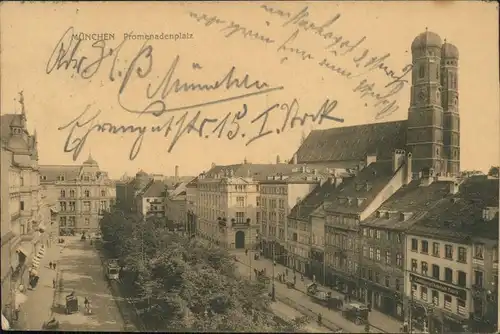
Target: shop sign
457 292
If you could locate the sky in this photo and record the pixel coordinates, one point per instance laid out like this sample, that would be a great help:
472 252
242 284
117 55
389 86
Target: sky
292 69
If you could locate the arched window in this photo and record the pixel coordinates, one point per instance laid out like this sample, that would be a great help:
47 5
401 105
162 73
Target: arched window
437 151
63 193
454 81
421 71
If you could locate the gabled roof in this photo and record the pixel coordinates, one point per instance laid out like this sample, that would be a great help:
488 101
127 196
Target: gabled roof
459 217
353 142
312 201
366 185
179 190
50 173
412 199
192 183
5 122
155 189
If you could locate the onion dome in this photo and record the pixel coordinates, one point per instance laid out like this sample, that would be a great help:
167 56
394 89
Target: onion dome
425 40
449 50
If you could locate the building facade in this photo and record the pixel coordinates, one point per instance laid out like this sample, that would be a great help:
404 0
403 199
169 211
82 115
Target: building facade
149 201
191 201
176 206
384 247
25 221
450 279
283 238
82 192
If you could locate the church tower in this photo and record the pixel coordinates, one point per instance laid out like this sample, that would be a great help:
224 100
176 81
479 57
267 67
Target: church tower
425 116
451 126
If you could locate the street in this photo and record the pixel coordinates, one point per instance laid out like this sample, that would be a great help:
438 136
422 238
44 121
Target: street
81 271
380 323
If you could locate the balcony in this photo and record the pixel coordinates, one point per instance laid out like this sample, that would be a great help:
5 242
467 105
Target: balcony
235 222
479 262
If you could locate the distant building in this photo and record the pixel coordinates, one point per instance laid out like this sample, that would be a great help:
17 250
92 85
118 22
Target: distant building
82 192
176 206
150 199
191 206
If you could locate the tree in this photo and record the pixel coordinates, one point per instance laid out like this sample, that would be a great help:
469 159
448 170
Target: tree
184 284
493 171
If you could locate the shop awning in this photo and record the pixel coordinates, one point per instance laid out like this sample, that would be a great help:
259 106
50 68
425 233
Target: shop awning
20 298
36 261
35 265
41 252
5 323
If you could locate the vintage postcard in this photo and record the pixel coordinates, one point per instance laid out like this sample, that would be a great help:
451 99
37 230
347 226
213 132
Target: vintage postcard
274 166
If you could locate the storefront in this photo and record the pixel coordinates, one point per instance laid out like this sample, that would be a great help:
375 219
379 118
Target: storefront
387 301
317 266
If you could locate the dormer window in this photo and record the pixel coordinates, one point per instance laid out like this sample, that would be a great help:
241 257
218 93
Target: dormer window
368 186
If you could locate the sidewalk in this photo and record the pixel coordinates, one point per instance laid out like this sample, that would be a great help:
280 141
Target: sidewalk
38 307
379 321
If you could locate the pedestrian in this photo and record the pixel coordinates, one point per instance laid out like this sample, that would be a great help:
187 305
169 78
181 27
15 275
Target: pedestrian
286 271
54 283
16 313
367 328
50 264
54 266
274 262
302 277
314 278
246 251
320 318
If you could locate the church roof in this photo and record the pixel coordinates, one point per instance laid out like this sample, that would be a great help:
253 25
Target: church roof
426 39
449 51
256 171
353 142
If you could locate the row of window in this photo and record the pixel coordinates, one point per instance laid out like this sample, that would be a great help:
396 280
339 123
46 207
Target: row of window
274 190
85 192
71 221
375 254
341 220
271 203
379 234
448 250
436 273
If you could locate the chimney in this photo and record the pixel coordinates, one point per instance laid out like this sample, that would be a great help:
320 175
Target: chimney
370 157
397 159
427 177
409 172
454 186
294 159
176 172
278 160
213 164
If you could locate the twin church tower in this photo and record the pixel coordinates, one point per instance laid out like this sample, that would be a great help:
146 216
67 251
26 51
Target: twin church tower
433 126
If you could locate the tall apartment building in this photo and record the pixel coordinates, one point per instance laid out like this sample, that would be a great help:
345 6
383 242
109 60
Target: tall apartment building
451 277
283 238
25 218
82 193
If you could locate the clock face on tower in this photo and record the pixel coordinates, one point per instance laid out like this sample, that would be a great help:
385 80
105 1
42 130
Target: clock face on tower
422 95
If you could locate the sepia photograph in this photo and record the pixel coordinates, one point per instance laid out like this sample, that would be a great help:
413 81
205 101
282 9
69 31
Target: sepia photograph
250 166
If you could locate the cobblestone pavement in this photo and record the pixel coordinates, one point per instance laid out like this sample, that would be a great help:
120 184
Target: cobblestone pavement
81 271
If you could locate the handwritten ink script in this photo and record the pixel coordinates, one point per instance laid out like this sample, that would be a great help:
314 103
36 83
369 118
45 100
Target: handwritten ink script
245 123
382 97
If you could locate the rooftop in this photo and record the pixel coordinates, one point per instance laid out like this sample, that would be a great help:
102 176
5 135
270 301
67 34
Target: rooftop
312 201
256 171
460 217
412 200
353 142
155 189
51 173
365 186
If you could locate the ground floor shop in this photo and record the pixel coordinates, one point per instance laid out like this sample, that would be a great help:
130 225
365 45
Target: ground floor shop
385 300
